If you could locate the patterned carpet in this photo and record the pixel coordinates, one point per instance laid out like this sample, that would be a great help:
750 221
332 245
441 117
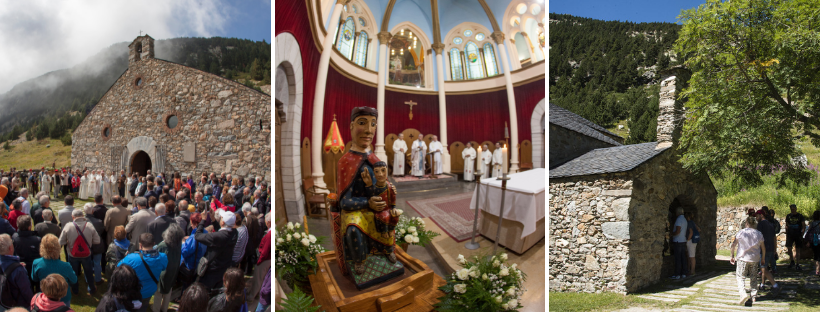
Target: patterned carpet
451 213
413 178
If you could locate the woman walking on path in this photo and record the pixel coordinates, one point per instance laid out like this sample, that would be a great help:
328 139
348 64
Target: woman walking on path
748 243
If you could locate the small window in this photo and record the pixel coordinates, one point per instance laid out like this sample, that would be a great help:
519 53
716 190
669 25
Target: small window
515 21
361 21
172 122
479 37
139 82
521 8
457 40
468 33
107 132
535 9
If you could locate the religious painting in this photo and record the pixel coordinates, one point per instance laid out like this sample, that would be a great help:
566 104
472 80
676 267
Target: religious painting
406 60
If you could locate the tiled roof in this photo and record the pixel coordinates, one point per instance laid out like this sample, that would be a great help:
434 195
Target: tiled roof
608 160
571 121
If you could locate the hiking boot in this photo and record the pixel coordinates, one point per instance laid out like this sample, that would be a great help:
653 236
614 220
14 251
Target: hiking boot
674 277
791 264
799 268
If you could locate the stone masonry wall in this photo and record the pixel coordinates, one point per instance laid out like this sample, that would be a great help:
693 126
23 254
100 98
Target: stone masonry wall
657 184
728 224
589 235
220 116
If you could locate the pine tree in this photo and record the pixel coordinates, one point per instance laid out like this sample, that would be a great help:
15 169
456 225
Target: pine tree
255 71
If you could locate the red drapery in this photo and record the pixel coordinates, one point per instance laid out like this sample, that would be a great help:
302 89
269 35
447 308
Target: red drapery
471 117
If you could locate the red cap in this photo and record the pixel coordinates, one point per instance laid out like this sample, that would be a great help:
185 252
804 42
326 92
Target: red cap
760 212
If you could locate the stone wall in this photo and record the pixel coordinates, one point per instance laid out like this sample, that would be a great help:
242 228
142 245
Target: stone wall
589 233
219 116
660 185
608 231
566 145
728 224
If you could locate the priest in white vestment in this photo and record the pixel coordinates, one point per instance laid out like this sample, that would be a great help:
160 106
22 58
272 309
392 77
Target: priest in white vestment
45 182
106 189
55 184
399 148
100 184
128 187
484 163
419 150
469 162
437 149
83 186
498 161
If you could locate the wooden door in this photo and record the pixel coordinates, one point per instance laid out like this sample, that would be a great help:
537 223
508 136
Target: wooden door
304 158
281 215
525 154
388 149
456 161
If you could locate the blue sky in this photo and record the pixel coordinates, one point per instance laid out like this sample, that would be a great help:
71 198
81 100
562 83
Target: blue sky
252 20
625 10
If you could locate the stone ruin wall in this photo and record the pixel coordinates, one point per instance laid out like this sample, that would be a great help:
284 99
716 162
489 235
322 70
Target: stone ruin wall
728 224
220 116
589 233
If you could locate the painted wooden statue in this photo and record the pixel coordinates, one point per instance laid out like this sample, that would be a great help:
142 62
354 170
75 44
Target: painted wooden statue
361 248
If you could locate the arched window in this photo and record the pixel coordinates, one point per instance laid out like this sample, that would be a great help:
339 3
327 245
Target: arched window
346 39
361 49
473 59
489 60
455 64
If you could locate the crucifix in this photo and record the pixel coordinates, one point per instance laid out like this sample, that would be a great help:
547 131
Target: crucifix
140 32
411 103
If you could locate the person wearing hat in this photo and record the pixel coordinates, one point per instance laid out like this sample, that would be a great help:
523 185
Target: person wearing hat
220 245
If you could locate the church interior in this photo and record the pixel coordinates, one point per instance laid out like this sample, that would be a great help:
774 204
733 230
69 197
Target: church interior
457 96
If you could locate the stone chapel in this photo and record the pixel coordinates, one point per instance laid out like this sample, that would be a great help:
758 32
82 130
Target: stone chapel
168 117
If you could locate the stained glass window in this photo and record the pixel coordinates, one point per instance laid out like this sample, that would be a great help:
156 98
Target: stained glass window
455 64
489 60
355 9
473 58
521 8
457 40
345 41
361 49
361 21
468 33
515 21
535 9
479 37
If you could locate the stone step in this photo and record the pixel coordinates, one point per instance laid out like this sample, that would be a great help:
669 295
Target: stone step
651 297
734 307
680 292
733 299
726 308
670 296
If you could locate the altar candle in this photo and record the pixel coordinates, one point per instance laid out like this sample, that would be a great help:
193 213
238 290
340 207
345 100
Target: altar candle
479 156
504 156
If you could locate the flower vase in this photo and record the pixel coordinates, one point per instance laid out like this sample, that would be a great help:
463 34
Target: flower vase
404 246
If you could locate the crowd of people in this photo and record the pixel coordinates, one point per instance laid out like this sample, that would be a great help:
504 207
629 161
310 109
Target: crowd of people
183 241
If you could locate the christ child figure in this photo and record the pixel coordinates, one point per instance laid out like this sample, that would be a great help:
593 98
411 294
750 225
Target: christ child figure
387 219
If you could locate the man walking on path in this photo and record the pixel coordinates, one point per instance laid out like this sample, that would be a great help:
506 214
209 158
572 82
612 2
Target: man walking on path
748 243
767 229
795 225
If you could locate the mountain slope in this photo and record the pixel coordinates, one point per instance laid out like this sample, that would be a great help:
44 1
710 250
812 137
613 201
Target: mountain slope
55 94
604 70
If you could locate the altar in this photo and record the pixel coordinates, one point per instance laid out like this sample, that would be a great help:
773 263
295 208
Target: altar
524 209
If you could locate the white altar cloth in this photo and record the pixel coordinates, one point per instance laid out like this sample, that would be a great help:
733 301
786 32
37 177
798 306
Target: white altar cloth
524 202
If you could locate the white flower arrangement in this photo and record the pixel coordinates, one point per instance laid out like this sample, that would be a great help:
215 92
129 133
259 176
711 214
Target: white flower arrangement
483 285
296 254
411 231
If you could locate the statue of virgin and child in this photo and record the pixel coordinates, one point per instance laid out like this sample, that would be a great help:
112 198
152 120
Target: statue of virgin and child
364 214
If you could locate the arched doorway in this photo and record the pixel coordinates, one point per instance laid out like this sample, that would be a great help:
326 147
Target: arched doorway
289 92
140 163
539 134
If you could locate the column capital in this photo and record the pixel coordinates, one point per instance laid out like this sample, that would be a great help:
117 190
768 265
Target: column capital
524 34
498 37
541 25
429 51
512 41
384 37
438 47
369 40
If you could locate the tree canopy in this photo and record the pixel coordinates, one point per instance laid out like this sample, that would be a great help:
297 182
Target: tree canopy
754 91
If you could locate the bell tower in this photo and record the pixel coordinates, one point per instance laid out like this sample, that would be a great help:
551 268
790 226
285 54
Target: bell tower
141 48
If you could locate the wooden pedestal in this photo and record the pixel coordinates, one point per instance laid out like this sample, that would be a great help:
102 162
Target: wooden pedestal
416 290
511 232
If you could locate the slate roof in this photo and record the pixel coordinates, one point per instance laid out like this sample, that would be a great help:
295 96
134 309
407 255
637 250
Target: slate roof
570 121
608 160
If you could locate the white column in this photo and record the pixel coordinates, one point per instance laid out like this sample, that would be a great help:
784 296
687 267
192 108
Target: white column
442 107
384 38
319 101
499 38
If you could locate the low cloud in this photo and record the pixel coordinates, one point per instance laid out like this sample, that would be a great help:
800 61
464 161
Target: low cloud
39 36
